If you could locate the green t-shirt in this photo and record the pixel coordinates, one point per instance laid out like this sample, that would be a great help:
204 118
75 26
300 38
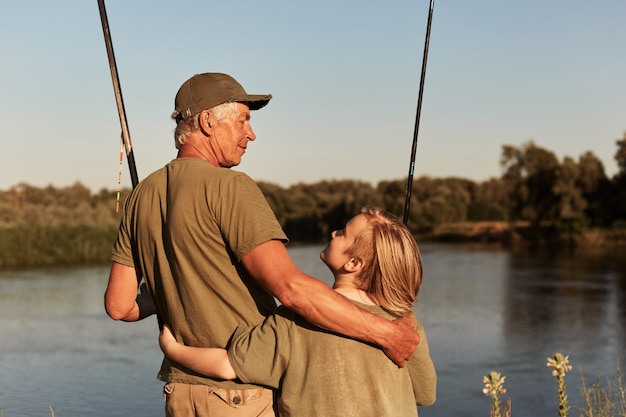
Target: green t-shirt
319 373
185 228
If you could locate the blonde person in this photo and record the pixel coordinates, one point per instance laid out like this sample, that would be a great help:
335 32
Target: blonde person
377 266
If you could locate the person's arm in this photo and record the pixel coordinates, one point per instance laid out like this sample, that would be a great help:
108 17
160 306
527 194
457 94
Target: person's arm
121 299
271 265
211 362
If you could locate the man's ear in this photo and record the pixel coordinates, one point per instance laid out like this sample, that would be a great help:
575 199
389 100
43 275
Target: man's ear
204 121
354 265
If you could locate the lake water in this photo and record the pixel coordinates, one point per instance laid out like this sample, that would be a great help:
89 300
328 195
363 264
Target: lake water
483 309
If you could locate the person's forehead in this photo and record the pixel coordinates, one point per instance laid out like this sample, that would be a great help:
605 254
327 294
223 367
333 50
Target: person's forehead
242 109
356 224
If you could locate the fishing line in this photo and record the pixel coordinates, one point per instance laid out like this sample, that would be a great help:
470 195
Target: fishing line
119 176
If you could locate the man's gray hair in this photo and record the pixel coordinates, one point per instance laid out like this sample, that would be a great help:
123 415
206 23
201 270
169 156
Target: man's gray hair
189 125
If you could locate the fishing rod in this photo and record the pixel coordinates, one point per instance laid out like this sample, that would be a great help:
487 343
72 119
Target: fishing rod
118 95
120 110
409 184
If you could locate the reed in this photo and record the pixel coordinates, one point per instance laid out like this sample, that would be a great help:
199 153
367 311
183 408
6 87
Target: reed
560 366
606 397
27 245
493 387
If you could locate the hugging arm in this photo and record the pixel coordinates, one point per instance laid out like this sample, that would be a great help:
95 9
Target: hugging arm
211 362
271 265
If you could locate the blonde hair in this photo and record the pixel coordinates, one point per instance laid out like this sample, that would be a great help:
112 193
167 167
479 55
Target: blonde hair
392 274
186 126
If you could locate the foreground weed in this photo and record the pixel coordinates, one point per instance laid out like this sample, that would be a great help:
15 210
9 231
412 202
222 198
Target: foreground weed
493 387
607 400
560 366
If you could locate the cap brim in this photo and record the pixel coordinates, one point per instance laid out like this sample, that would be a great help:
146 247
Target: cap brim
255 102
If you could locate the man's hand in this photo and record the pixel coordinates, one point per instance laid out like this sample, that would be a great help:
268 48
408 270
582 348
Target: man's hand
402 341
145 302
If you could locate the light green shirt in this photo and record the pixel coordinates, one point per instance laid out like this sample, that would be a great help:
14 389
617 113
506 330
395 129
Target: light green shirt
319 373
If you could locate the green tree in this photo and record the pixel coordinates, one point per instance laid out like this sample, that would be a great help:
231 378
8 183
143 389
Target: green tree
571 203
617 199
490 202
620 155
595 188
393 196
530 174
435 201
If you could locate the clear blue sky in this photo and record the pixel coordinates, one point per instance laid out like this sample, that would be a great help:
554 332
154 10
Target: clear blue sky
344 75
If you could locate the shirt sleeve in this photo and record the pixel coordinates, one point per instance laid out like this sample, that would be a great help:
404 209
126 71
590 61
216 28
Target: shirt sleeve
260 354
244 215
422 370
122 250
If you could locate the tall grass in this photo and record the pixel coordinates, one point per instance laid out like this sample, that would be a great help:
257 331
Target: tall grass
25 245
606 397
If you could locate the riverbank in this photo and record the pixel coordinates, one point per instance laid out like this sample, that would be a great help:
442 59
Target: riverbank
521 234
33 245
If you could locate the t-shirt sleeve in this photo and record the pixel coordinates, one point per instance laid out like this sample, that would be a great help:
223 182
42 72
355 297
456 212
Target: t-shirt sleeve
260 354
422 370
122 249
245 217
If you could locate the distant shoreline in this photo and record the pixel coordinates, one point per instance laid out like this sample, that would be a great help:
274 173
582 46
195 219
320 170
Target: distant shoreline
518 235
28 246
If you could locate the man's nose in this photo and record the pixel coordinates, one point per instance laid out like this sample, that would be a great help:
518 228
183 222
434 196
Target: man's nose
250 135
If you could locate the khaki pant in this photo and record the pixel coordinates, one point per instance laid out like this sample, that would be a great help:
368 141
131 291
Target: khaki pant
188 400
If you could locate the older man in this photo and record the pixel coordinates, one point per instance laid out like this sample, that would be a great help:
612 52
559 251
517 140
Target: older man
213 254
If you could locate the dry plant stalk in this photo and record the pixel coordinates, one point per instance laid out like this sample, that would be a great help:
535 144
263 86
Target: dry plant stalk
601 401
560 366
493 387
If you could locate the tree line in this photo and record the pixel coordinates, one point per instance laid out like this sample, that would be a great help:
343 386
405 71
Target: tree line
536 193
548 197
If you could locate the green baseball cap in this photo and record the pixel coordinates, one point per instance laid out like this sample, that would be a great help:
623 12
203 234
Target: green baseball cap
204 91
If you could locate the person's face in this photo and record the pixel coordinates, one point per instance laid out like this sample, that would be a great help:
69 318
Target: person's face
334 254
231 136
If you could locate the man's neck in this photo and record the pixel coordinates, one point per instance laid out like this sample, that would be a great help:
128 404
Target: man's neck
195 147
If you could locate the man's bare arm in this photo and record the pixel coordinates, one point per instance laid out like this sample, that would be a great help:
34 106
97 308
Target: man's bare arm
271 265
121 299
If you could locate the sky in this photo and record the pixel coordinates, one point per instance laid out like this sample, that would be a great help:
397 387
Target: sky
344 75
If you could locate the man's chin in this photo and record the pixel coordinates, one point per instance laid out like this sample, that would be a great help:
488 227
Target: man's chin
232 164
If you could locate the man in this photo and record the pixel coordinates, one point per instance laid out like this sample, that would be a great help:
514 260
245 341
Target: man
213 254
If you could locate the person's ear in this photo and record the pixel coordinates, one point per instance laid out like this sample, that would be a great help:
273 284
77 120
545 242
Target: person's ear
354 265
204 121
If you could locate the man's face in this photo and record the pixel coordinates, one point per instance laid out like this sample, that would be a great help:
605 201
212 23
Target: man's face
231 135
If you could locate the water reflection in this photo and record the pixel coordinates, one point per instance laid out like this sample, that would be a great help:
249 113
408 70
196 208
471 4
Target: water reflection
487 309
570 301
58 348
